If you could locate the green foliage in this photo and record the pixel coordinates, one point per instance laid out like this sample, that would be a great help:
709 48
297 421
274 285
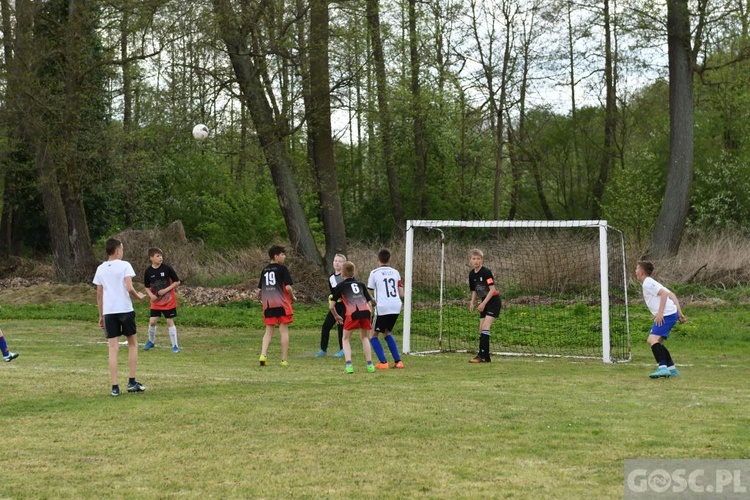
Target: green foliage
632 199
721 194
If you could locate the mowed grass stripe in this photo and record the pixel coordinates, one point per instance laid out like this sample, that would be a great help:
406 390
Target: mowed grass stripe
214 424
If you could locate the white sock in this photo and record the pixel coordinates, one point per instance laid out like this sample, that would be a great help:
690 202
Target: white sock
152 334
173 335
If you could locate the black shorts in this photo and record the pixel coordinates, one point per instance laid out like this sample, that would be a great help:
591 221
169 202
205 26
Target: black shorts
168 313
492 308
385 323
119 324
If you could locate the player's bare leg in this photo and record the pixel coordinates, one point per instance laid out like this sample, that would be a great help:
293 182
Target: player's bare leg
114 347
364 336
267 339
284 332
266 342
132 354
347 345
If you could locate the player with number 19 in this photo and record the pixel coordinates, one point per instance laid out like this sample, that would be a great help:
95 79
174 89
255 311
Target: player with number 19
276 295
385 285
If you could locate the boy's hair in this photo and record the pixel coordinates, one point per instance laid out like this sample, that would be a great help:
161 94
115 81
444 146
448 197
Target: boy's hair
476 251
340 255
112 245
154 251
347 270
384 256
275 250
648 267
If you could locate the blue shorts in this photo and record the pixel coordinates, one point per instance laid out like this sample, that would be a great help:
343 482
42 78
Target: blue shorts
666 326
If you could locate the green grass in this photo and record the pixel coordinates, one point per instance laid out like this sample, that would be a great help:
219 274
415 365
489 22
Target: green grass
214 424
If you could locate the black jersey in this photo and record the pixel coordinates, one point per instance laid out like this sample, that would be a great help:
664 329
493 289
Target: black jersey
274 295
159 278
356 298
480 282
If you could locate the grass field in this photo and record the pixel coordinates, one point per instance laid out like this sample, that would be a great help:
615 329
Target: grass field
214 424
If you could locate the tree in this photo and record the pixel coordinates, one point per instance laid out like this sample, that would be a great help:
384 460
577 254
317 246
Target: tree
670 223
383 113
56 83
239 33
319 129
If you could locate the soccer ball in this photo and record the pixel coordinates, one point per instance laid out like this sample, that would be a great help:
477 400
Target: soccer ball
200 131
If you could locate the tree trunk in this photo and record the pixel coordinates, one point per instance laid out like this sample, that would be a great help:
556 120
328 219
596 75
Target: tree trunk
79 240
384 115
610 118
319 120
269 132
8 210
418 131
665 240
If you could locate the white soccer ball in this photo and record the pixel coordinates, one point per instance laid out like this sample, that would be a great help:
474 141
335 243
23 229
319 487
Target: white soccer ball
200 131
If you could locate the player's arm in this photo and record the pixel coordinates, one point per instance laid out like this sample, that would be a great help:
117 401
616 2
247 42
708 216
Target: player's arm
681 317
332 307
168 289
472 301
401 290
491 292
100 303
291 293
147 285
370 298
659 316
132 291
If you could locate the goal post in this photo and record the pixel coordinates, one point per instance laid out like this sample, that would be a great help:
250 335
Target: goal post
563 285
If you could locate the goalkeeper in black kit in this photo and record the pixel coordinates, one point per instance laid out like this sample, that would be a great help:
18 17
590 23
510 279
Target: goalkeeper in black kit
482 286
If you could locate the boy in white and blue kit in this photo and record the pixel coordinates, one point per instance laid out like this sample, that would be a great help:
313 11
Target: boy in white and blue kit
385 285
665 307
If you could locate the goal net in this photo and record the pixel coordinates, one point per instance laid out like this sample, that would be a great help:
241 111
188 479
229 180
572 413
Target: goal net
563 286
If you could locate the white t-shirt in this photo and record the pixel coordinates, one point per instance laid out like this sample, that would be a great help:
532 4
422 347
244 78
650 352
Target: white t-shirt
385 281
111 275
651 289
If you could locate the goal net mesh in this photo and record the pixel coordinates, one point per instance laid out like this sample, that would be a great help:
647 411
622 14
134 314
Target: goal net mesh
549 281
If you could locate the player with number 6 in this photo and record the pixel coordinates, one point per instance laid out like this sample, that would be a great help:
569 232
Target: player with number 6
358 306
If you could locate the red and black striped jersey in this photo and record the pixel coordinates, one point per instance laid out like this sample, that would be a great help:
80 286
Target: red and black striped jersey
355 297
273 292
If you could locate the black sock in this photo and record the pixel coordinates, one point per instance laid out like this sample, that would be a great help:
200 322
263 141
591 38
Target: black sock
660 354
669 356
131 380
484 346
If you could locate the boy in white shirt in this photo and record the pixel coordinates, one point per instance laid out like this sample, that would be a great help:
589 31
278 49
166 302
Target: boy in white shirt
385 285
114 286
665 307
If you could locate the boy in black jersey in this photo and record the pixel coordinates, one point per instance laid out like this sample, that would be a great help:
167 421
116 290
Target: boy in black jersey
276 294
482 286
160 281
358 306
330 321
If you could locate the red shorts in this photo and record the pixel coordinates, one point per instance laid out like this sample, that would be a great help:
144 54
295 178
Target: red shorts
278 320
354 324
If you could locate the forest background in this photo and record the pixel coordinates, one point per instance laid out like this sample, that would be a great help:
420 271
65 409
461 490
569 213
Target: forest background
332 123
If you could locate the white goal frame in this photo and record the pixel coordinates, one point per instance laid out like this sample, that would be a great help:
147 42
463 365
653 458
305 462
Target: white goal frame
437 224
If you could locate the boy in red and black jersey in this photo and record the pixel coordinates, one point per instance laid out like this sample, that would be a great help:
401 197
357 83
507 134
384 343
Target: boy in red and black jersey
482 286
160 281
276 294
358 306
